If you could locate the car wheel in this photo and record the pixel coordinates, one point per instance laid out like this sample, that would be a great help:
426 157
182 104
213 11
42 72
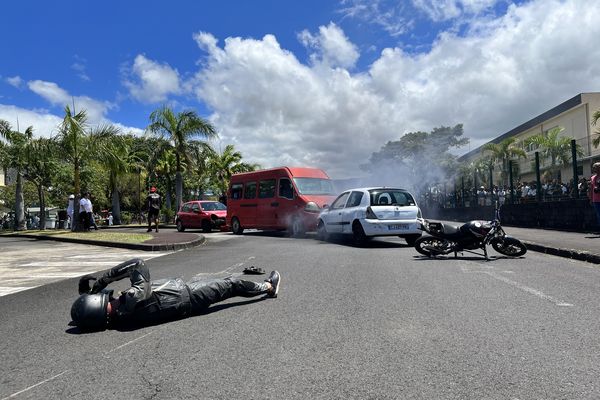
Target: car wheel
236 227
296 228
411 239
358 234
206 226
180 227
322 232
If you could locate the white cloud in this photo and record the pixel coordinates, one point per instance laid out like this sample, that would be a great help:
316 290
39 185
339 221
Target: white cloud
331 45
498 74
15 81
46 123
58 96
152 82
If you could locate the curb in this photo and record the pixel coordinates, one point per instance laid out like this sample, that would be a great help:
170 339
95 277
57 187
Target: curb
566 253
131 246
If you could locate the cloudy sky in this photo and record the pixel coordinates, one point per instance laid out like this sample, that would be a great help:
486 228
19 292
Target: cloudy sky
319 83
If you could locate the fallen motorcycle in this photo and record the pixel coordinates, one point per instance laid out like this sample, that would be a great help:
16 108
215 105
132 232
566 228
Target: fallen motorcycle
473 235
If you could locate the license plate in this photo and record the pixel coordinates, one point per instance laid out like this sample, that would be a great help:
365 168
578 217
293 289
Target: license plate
398 227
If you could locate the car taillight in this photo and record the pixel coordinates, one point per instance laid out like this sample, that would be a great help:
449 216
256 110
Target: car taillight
312 207
370 214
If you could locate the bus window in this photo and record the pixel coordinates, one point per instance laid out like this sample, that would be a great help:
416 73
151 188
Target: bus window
236 191
285 189
266 189
250 192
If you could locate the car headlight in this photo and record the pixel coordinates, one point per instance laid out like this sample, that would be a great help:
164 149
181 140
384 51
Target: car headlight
312 207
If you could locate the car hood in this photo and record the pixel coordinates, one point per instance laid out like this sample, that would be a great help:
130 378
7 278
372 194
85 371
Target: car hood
319 200
395 212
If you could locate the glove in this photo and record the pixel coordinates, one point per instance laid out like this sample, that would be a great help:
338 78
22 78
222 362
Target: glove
99 285
84 284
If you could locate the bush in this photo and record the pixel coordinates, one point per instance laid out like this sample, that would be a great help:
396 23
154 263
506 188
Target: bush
168 215
126 217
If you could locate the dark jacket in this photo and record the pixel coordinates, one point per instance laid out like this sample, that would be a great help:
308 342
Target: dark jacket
146 301
153 202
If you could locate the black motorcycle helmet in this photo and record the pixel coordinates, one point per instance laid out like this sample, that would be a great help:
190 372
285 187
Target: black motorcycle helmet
89 311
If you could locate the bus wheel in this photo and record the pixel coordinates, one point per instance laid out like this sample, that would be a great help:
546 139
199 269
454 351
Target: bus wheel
236 227
296 228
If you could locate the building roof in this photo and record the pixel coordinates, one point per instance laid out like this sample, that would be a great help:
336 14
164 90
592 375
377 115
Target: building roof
553 112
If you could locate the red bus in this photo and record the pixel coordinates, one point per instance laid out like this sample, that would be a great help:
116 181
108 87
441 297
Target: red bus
284 198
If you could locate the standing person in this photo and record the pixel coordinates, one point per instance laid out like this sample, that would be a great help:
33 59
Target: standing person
153 202
70 208
110 219
84 206
595 189
91 215
150 302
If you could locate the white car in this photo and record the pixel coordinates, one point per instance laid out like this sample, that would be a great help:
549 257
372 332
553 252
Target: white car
369 212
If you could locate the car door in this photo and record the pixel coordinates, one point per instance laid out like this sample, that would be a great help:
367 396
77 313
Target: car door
195 216
267 204
350 211
333 222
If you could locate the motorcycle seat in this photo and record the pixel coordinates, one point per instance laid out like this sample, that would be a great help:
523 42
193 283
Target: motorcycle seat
449 229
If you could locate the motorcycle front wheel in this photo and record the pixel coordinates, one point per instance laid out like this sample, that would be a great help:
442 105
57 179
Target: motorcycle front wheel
429 245
509 247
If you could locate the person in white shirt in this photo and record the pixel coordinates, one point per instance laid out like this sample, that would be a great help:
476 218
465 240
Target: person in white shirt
85 211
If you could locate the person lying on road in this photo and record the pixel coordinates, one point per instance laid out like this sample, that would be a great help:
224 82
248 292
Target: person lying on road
150 302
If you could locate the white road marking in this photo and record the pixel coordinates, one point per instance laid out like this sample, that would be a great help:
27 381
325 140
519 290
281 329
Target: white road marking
520 286
36 385
131 341
50 262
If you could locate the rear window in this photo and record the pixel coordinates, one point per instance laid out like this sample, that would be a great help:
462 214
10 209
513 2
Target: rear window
186 207
266 189
213 206
396 197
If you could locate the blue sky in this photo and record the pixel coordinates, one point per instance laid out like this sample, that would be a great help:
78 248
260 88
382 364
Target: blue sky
288 81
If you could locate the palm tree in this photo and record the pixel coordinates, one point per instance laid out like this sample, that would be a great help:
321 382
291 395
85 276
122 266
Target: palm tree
503 152
223 165
165 167
595 119
555 148
179 129
81 143
41 168
15 156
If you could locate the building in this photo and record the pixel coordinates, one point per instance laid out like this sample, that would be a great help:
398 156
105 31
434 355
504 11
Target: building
575 116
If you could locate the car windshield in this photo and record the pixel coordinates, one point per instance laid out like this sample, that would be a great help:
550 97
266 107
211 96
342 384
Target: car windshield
397 197
213 206
314 186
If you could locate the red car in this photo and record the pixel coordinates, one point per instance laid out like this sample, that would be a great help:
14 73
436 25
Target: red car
201 214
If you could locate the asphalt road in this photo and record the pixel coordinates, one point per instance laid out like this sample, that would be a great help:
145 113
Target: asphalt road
350 323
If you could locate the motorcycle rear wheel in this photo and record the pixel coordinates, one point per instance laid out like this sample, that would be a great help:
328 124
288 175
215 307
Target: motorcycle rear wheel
423 242
509 247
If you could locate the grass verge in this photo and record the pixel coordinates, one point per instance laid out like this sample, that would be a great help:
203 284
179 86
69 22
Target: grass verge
120 237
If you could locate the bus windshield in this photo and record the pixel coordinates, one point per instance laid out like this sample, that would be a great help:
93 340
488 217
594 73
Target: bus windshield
316 186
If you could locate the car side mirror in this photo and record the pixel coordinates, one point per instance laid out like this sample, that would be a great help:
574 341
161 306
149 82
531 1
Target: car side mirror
325 206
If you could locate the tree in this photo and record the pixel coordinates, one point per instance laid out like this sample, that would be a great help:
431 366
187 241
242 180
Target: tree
595 119
503 152
222 166
41 168
15 156
420 157
179 129
555 148
80 143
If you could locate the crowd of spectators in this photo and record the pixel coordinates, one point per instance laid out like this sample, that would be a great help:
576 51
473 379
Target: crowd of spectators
524 192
